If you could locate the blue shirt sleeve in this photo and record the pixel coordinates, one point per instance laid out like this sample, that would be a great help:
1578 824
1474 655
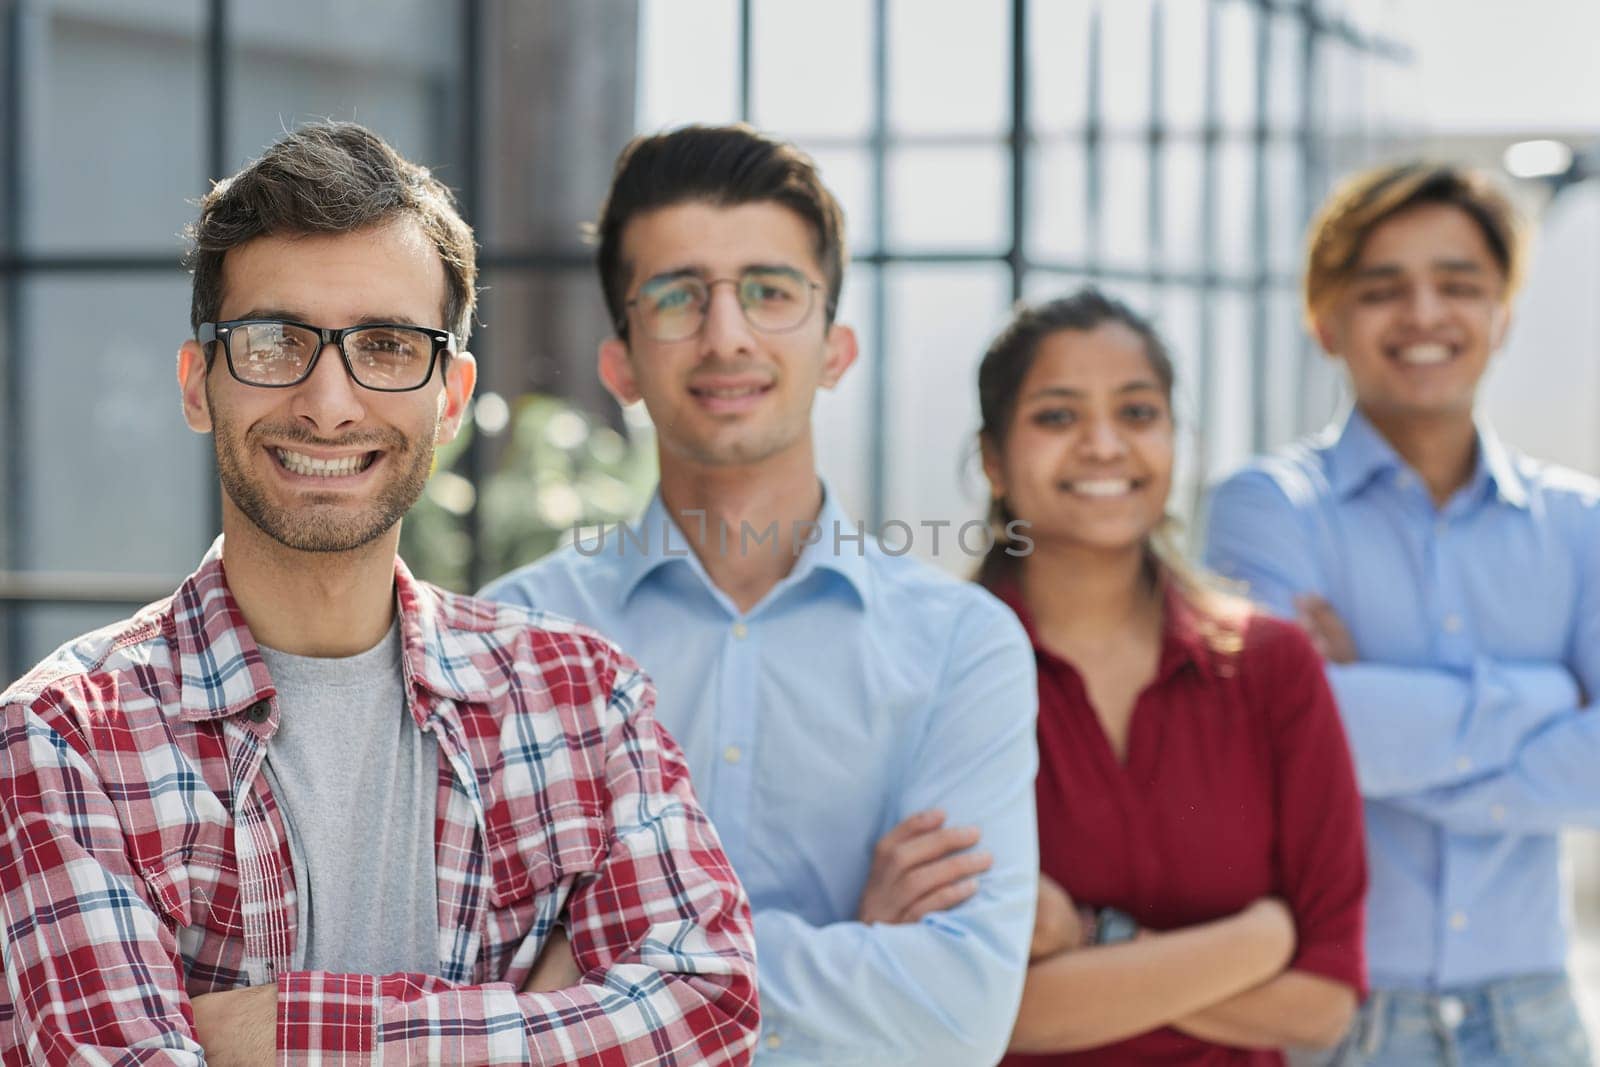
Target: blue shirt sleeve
944 991
1550 783
1410 728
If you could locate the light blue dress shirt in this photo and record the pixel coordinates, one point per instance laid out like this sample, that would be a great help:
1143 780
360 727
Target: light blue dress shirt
1478 628
864 687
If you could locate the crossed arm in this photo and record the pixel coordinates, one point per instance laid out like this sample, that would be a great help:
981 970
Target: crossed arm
1507 747
669 975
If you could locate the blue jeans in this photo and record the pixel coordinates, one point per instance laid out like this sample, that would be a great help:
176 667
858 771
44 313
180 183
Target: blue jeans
1529 1021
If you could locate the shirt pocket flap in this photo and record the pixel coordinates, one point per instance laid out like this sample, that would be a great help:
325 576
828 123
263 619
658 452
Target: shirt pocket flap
535 849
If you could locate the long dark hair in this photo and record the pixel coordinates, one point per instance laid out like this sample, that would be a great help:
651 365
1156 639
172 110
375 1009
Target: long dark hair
1000 376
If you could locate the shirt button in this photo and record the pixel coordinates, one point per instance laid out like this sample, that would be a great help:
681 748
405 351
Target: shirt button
773 1041
1451 1012
259 712
1463 764
1497 812
1452 623
741 631
1458 921
731 754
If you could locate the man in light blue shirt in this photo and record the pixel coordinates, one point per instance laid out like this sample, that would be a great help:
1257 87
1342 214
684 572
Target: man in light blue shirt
855 721
1454 589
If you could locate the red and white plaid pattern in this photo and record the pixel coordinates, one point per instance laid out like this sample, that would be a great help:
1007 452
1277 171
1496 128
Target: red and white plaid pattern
143 859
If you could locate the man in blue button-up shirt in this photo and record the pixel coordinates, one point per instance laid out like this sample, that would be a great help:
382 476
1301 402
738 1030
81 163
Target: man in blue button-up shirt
854 721
1454 588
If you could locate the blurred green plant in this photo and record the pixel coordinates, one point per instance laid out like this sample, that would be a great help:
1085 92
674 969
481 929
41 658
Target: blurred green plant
559 471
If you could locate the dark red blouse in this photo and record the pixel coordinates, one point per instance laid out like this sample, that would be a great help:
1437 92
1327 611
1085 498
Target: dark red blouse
1238 784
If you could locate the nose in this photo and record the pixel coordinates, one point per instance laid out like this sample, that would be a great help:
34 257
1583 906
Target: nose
328 400
725 332
1427 306
1101 440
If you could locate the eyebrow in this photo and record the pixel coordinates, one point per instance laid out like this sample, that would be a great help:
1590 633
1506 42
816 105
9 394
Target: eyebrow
1078 394
1385 271
295 316
701 272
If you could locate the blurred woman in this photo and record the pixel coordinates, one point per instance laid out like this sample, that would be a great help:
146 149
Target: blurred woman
1200 829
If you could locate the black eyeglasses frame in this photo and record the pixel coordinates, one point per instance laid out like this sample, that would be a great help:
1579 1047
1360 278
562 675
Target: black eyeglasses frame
210 333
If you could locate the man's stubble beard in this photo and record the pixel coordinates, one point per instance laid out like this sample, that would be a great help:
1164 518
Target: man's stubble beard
315 528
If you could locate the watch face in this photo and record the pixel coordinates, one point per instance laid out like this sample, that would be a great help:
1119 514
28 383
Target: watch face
1115 926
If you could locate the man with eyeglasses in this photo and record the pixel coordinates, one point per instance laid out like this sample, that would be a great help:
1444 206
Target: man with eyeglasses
856 723
312 809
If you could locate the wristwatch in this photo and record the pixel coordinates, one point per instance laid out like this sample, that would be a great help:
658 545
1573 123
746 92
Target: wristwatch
1112 927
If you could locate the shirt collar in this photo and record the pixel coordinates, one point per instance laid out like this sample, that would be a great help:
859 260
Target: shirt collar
221 672
1360 454
1183 640
657 541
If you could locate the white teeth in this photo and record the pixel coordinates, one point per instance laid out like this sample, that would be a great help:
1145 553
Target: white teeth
1102 487
1424 354
321 468
749 390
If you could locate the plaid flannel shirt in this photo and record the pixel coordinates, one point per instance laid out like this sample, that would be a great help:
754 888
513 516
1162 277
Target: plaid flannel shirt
144 861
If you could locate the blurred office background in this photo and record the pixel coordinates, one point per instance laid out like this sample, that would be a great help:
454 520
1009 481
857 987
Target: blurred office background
985 150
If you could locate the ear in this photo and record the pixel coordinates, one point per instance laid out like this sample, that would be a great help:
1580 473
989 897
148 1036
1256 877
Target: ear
192 373
616 371
842 351
460 378
1323 330
992 470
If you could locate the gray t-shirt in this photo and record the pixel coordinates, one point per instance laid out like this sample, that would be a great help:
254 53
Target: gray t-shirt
357 783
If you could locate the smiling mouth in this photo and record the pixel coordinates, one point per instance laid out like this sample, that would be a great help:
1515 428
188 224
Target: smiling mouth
730 392
1426 355
313 467
1103 487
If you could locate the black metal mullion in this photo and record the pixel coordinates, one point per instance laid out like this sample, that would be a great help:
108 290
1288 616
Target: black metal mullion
470 199
745 56
1155 151
215 94
1208 238
1016 256
11 437
878 394
1093 132
1260 239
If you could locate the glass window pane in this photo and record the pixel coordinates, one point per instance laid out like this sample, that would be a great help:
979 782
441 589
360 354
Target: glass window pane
843 416
113 479
1182 207
1040 286
1058 68
295 61
1058 211
941 320
1183 64
1236 66
1286 65
949 198
1125 64
847 172
1236 208
104 86
688 62
1228 421
43 628
1286 345
787 37
1125 219
559 87
1286 212
949 66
